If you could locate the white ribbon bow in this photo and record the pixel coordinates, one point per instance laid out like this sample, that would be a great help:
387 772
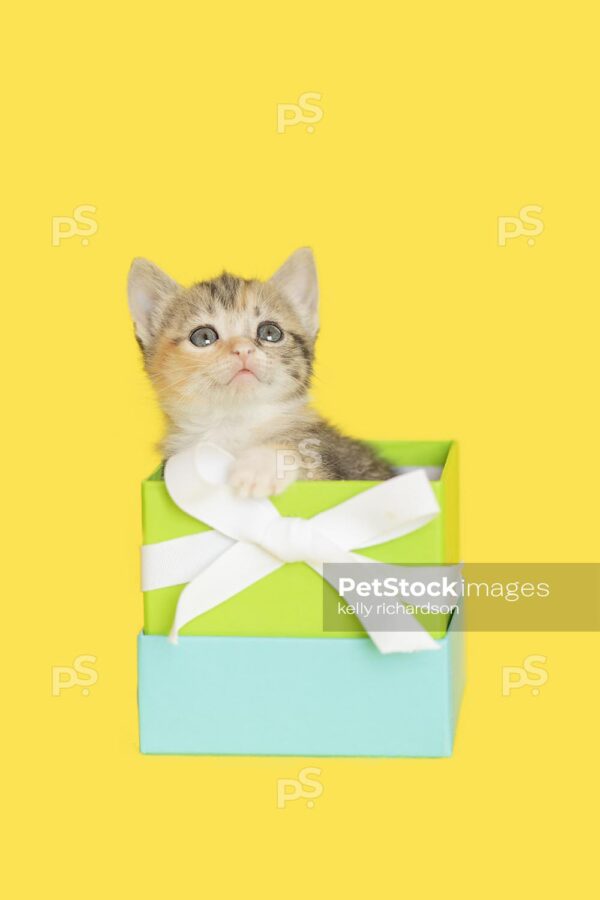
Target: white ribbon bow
251 539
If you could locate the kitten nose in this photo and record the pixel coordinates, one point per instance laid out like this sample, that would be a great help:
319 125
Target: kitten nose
242 348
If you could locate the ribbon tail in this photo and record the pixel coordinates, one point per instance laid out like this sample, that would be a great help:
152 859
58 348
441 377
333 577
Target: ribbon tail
411 639
230 573
402 641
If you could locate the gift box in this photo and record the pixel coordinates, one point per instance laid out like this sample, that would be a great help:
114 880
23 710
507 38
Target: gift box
260 674
297 697
293 601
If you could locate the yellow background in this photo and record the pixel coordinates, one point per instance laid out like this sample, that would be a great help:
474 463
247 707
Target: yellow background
437 119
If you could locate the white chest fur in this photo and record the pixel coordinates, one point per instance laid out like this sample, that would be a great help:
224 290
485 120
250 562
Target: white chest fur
234 429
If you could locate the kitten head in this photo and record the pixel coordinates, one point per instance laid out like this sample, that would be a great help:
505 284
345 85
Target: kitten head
227 341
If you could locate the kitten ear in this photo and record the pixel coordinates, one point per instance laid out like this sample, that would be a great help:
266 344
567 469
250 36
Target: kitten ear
297 280
148 287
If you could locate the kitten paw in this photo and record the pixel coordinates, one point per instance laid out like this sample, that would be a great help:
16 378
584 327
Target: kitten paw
259 473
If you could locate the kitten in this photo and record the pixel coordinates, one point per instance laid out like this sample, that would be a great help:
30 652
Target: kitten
231 361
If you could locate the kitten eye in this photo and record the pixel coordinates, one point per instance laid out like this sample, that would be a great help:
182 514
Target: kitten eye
202 337
269 331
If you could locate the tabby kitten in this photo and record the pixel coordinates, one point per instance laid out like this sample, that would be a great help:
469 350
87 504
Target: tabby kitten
231 361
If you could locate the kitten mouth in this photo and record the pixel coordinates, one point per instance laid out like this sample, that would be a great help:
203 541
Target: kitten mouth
244 375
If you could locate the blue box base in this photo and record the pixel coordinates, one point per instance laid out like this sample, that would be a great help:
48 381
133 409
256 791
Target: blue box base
297 697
